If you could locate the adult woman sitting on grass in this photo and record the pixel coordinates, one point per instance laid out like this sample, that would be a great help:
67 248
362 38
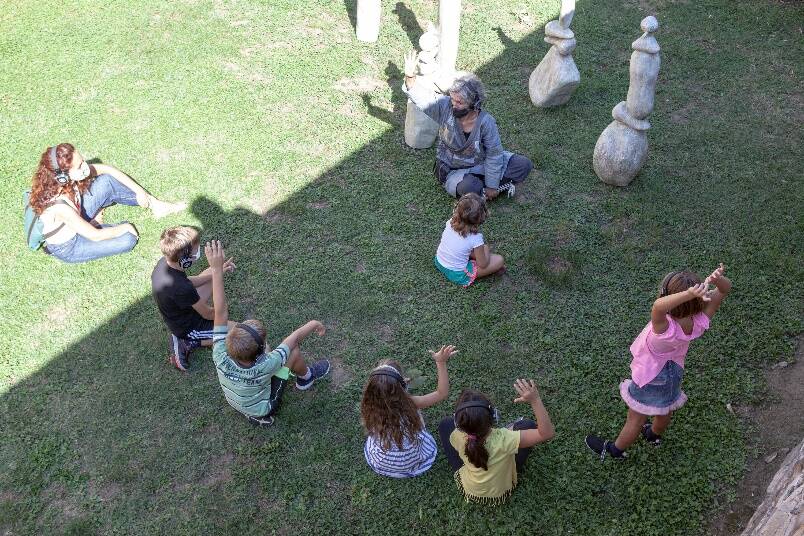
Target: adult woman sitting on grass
68 195
470 156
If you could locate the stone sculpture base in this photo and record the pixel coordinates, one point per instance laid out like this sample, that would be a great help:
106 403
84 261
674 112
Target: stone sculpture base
368 20
620 152
554 80
420 131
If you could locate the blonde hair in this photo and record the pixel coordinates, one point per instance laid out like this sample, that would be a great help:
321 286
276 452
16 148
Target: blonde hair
470 212
175 240
241 345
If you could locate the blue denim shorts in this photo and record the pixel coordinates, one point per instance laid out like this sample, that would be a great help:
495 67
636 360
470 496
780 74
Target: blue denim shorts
659 397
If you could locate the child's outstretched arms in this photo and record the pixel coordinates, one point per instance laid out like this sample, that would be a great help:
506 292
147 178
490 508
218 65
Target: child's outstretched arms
440 357
665 304
295 338
716 297
528 393
216 258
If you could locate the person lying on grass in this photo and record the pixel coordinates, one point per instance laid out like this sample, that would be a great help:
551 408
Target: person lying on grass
183 300
679 315
398 444
69 196
487 460
250 374
462 254
470 156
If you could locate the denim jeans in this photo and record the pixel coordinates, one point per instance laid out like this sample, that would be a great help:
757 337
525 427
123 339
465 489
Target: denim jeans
104 191
518 168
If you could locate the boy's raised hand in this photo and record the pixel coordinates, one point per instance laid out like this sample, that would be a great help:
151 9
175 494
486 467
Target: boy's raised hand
229 265
215 255
526 389
319 328
443 354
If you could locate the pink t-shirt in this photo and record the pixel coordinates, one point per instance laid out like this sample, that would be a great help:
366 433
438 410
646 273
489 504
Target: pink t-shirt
651 351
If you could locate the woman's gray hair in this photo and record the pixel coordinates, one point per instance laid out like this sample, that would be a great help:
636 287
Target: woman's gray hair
470 89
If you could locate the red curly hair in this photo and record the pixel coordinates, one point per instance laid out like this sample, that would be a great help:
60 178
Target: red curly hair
45 188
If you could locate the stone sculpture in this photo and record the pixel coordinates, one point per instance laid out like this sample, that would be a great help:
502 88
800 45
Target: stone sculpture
622 147
554 80
368 20
436 70
420 130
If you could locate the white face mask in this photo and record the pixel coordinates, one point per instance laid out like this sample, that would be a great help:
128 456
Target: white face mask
81 173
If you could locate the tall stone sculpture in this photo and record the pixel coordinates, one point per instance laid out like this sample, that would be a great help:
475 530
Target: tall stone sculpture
436 70
368 20
554 80
420 130
449 26
622 147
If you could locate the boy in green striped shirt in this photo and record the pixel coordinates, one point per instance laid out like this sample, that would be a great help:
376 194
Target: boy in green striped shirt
253 377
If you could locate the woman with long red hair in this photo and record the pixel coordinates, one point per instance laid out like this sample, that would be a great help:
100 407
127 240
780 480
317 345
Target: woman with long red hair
69 194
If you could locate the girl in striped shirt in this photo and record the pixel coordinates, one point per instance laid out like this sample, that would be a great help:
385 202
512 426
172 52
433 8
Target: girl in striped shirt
398 445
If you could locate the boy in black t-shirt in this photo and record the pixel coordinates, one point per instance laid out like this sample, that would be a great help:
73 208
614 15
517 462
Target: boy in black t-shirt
183 300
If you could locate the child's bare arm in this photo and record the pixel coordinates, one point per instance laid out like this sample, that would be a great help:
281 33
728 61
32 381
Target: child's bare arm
481 255
215 256
528 393
665 304
295 338
442 390
717 296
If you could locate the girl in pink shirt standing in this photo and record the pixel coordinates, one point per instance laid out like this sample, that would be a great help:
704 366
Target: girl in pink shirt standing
680 314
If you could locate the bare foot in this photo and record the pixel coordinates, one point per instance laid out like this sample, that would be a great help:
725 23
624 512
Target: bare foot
160 209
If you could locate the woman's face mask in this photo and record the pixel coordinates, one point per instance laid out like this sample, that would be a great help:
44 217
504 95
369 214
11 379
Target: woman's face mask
80 173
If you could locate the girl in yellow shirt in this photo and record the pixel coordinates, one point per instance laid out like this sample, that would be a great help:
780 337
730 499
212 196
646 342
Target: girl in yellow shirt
487 459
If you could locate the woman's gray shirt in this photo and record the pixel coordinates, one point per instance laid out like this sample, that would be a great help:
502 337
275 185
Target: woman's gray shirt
480 153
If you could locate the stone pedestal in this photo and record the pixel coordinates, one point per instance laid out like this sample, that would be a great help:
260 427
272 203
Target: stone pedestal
554 80
368 20
449 26
622 147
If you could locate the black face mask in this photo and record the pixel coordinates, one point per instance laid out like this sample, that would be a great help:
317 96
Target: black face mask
460 114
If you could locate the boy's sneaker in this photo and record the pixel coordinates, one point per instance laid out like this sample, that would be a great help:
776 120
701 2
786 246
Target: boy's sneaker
650 437
508 187
318 370
181 350
601 447
265 421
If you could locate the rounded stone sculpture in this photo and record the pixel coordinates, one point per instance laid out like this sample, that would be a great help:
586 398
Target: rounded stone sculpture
368 20
554 80
622 148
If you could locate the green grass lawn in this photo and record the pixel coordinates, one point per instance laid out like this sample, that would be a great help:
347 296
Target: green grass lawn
285 135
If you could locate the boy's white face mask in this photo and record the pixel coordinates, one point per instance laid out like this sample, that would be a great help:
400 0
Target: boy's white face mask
80 173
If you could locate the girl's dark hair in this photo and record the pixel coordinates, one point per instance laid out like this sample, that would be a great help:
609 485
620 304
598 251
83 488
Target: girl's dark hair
476 422
470 212
387 410
45 188
679 282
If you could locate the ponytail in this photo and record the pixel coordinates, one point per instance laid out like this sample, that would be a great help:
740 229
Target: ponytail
476 451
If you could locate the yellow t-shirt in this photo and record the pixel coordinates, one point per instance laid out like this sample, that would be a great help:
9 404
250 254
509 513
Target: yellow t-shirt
497 483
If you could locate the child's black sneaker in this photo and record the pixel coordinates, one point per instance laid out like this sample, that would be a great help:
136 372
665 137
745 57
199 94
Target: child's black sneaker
601 447
318 370
650 437
180 351
264 422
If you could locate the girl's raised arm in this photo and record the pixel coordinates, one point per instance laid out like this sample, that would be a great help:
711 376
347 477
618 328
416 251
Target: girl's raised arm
442 391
